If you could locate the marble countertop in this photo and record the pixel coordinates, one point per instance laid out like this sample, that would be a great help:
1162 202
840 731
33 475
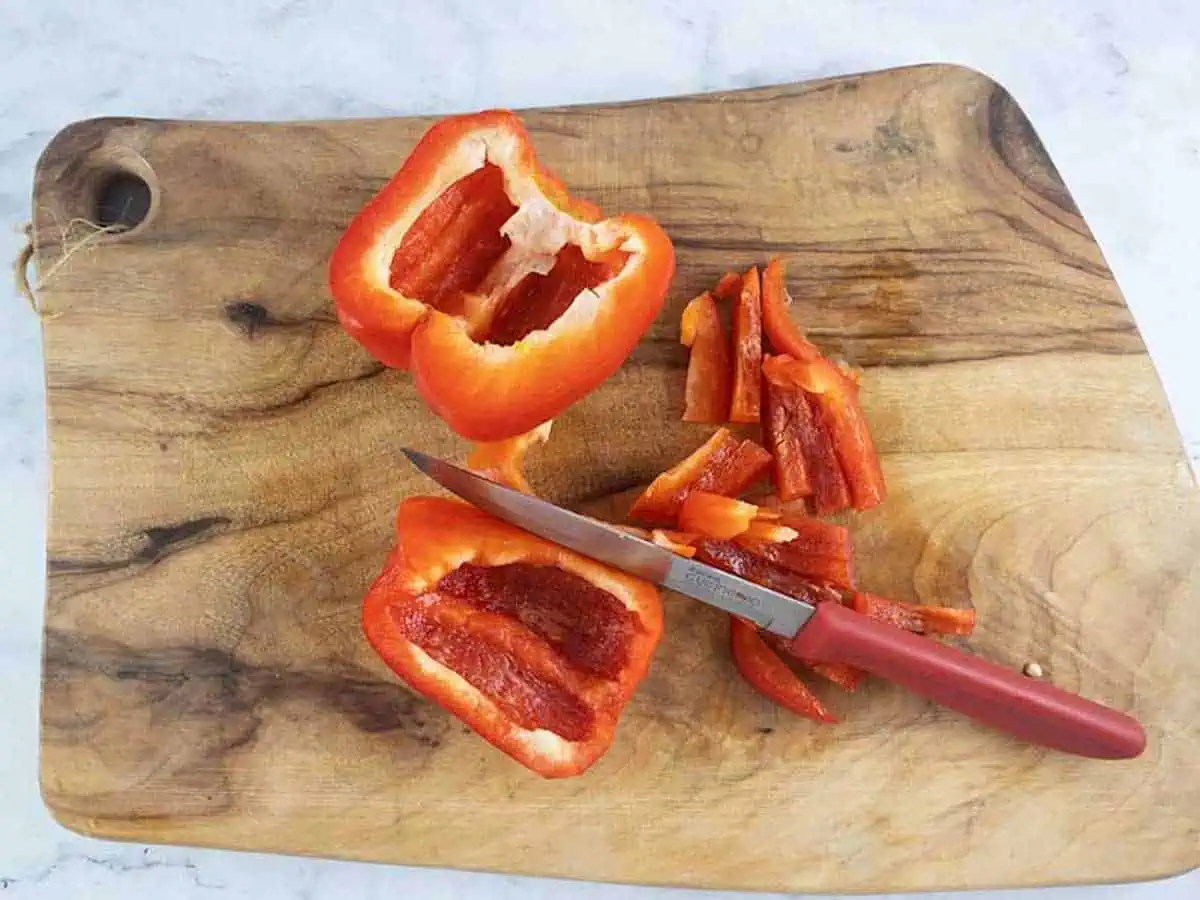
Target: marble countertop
1111 90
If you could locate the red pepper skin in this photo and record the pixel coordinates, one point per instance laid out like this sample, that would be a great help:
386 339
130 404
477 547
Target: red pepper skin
722 465
537 676
834 397
747 342
800 438
508 298
781 331
768 674
709 380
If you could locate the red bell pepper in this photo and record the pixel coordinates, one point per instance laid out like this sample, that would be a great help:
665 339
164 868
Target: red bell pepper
794 572
805 460
715 516
508 298
722 465
748 351
770 675
679 542
919 619
782 332
733 557
706 394
504 461
820 550
728 285
769 532
535 647
833 397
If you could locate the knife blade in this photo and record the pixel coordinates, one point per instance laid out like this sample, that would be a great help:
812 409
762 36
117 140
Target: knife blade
597 540
993 695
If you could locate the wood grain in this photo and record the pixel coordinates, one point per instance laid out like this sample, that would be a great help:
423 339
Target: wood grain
225 472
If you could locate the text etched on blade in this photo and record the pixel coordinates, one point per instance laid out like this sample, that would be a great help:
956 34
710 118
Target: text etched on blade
715 586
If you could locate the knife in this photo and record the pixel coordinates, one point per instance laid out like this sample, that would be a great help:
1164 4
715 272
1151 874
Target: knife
823 632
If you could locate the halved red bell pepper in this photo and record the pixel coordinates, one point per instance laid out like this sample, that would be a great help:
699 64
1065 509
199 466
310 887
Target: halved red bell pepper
709 380
805 460
833 397
783 333
504 461
722 465
508 298
747 351
535 647
770 675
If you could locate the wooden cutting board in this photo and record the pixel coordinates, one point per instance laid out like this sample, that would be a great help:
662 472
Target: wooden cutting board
225 472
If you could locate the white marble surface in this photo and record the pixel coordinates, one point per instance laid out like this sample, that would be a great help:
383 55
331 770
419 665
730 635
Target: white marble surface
1112 90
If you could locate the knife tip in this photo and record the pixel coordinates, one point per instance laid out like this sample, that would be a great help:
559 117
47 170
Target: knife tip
416 457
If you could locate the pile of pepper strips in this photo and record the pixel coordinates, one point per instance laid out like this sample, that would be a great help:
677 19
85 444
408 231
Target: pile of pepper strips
508 299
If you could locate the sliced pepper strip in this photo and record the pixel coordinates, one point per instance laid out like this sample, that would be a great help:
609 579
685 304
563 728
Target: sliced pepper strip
733 557
748 351
793 572
800 440
835 400
722 465
504 461
820 550
508 298
709 380
783 333
715 516
728 286
771 532
918 619
535 647
675 541
768 674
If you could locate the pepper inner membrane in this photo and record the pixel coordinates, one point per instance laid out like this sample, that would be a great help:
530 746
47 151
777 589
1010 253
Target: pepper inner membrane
455 258
527 636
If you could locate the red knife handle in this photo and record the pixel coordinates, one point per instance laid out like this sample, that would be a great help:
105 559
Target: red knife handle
993 695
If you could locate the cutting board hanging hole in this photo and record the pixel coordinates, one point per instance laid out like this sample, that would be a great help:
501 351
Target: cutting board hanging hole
108 193
122 201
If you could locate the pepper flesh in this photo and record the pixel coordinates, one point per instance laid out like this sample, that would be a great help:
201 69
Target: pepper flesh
802 445
919 619
747 359
715 516
535 647
833 397
508 298
727 286
678 542
504 461
722 465
820 551
706 393
782 332
770 675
